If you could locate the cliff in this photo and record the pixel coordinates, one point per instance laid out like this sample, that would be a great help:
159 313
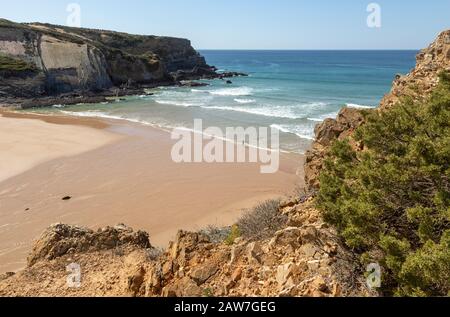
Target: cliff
41 60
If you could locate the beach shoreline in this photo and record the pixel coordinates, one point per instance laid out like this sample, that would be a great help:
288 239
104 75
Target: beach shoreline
122 172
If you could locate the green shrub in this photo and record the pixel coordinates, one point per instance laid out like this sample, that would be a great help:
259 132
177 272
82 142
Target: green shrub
233 235
391 202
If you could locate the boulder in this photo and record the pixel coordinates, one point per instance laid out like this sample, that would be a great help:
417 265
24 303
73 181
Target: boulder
284 273
204 272
59 239
289 236
185 287
136 280
6 275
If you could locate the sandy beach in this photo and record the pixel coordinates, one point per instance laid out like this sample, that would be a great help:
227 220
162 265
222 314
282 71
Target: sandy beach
116 172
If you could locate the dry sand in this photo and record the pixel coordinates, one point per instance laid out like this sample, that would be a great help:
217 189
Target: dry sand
115 172
27 143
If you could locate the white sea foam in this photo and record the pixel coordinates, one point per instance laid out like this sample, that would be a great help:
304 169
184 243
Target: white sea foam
281 128
199 91
244 101
99 114
316 119
285 112
302 133
353 105
278 112
239 91
178 103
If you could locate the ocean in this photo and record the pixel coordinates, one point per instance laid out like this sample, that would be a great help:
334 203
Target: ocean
291 91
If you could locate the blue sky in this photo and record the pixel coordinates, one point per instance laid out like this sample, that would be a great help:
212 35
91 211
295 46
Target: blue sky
254 24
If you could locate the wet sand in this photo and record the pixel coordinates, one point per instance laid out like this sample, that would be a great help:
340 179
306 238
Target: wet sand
116 172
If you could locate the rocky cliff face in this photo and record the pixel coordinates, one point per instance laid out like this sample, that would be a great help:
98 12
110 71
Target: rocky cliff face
425 76
305 258
40 60
418 85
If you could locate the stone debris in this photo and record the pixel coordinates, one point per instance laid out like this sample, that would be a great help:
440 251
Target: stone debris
300 260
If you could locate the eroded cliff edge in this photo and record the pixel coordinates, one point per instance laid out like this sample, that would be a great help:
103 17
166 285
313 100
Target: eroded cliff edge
41 60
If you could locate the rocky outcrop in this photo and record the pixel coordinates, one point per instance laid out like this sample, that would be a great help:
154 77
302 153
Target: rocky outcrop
417 85
60 239
347 121
304 258
41 60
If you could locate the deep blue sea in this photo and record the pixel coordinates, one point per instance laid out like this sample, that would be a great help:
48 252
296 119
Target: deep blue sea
288 90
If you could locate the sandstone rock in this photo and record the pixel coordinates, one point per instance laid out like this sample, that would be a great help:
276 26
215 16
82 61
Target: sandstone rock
186 287
288 203
59 239
424 77
337 290
203 273
237 274
320 284
314 265
155 282
327 132
135 282
254 253
288 236
284 273
167 270
269 259
289 290
236 252
6 275
309 234
309 250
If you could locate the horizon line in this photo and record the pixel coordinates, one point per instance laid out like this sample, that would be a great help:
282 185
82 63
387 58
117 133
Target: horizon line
308 49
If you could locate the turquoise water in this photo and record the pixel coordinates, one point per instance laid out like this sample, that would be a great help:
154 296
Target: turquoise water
288 90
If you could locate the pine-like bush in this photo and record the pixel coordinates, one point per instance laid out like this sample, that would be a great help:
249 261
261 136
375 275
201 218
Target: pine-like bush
391 202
